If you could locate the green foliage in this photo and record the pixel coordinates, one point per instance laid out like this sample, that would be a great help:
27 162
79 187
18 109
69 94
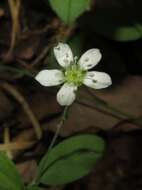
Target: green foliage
120 21
9 176
33 187
76 44
69 10
70 160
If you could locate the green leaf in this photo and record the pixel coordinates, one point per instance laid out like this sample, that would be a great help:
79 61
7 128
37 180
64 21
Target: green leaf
9 176
70 160
76 44
69 10
118 21
33 187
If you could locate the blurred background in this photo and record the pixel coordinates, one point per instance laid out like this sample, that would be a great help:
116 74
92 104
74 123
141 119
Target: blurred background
29 30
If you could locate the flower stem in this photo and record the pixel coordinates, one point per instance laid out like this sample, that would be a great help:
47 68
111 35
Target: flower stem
59 126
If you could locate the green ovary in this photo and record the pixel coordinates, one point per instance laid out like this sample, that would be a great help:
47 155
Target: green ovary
74 75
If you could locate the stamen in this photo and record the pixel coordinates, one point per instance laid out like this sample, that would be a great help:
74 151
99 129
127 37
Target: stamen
74 75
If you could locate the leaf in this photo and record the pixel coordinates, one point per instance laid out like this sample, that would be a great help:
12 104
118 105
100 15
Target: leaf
69 10
76 44
70 160
118 20
33 187
9 176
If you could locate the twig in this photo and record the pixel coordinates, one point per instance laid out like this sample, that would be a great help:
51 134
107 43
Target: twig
16 146
54 24
61 34
18 71
15 10
14 92
41 56
7 141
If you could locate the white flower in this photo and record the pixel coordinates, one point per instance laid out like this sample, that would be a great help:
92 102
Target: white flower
74 73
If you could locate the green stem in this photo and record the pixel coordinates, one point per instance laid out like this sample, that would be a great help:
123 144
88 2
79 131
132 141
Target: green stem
103 106
15 70
59 126
103 103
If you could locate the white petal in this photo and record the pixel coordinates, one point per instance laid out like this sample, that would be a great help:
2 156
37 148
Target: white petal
63 54
66 94
97 80
90 58
50 77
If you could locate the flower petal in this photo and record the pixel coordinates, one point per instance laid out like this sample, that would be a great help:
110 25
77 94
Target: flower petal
66 94
50 77
63 54
90 58
97 80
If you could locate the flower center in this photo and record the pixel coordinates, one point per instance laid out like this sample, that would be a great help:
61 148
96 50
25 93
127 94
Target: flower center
74 75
